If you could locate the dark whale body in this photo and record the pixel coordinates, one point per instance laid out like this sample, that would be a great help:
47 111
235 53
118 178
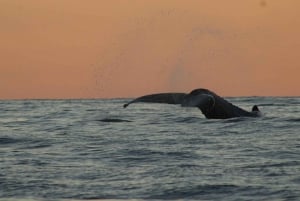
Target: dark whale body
112 120
210 104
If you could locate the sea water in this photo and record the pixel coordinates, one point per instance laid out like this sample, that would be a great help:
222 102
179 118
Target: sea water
96 149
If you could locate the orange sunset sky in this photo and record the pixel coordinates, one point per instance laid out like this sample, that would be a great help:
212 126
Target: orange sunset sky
127 48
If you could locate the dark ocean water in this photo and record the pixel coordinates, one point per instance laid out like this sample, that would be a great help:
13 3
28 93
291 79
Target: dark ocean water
95 149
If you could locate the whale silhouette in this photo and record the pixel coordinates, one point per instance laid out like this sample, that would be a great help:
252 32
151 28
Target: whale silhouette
211 105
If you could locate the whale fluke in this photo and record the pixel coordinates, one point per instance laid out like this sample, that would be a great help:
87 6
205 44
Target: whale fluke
210 104
168 98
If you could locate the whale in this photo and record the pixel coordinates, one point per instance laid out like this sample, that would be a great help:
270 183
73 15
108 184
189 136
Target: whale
210 104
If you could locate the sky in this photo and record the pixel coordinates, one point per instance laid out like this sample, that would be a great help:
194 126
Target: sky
127 48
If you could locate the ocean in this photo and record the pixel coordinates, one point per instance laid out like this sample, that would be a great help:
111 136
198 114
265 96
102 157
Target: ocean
97 150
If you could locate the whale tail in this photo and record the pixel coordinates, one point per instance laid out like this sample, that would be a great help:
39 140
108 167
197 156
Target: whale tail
255 108
210 104
169 98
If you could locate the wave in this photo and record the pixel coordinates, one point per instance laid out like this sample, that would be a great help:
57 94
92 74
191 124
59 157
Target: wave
211 191
8 140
